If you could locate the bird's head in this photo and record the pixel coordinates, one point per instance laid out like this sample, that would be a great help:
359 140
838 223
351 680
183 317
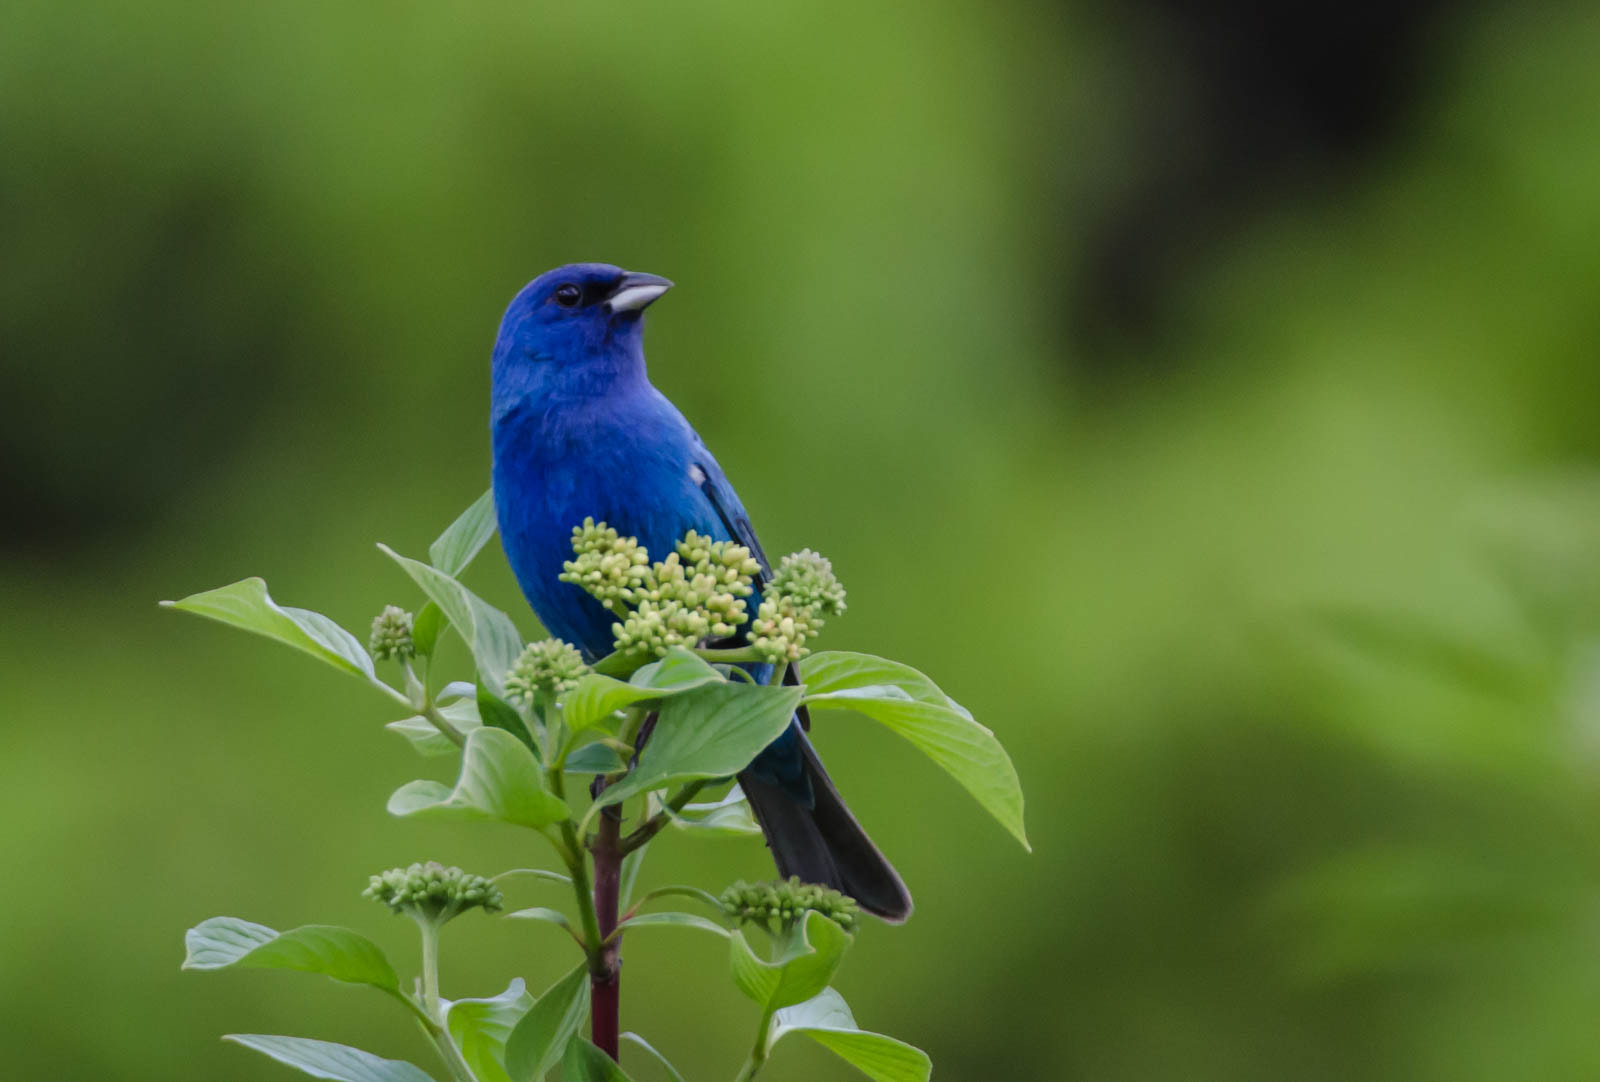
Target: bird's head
575 324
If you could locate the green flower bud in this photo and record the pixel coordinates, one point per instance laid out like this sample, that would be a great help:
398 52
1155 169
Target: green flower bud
609 567
780 906
781 628
431 892
391 634
548 665
807 578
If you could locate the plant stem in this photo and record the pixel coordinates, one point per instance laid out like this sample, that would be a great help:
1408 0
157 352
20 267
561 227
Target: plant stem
731 655
451 1054
572 856
434 1021
758 1052
430 968
652 826
605 981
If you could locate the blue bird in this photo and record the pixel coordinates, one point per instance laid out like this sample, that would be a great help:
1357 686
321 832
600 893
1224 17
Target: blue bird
580 432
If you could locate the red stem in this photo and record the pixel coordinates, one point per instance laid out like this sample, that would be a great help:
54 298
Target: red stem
605 983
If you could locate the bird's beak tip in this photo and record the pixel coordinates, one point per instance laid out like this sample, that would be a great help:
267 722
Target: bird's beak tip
636 291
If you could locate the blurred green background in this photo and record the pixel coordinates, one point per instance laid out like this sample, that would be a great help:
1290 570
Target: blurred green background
1208 403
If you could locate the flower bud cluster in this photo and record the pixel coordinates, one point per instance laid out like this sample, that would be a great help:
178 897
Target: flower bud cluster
547 665
391 634
781 905
433 892
609 567
696 593
803 592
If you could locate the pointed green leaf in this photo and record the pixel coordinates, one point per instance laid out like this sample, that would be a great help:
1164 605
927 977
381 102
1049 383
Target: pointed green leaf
246 605
426 738
334 952
631 863
654 1053
710 732
465 537
913 706
426 628
835 670
799 973
502 715
500 780
596 697
480 1028
730 816
538 1041
324 1059
583 1062
549 916
680 920
826 1019
488 632
594 759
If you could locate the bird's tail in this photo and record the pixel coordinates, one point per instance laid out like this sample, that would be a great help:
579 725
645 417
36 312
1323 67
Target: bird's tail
823 843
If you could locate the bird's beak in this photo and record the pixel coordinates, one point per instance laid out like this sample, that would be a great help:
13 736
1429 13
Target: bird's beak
635 291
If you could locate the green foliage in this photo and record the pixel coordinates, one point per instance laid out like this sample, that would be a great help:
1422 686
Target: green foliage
223 942
650 1050
712 732
909 703
653 727
488 632
322 1059
500 780
246 605
537 1042
464 538
480 1028
597 697
583 1062
804 966
826 1019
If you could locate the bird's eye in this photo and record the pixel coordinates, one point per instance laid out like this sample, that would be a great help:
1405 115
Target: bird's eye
568 295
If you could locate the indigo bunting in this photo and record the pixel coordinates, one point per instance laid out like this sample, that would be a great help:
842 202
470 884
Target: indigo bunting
579 432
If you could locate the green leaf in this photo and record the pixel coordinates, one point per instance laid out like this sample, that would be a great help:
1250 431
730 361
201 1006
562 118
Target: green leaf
710 732
324 1059
502 715
681 920
549 916
835 670
426 628
631 863
489 633
500 780
672 1072
826 1019
913 706
730 816
426 738
246 605
799 973
583 1062
465 537
596 697
538 1041
480 1027
223 942
594 759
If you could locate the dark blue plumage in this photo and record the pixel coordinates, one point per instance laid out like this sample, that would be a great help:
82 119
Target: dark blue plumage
579 431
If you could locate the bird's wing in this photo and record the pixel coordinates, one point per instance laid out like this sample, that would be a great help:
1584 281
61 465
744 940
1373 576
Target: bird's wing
725 503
